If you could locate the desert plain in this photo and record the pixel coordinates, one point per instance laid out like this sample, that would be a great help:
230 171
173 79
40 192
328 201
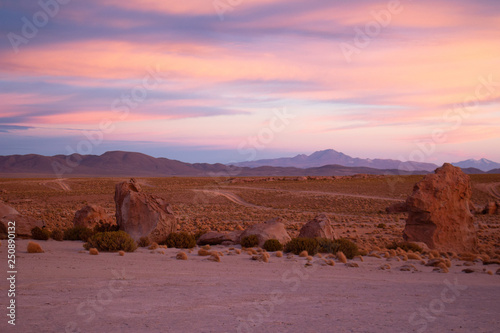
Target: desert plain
65 289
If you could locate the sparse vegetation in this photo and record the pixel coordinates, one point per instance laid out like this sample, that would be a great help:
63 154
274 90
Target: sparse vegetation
273 245
40 233
93 251
181 256
144 241
250 241
78 233
111 241
406 246
297 245
181 240
57 235
104 227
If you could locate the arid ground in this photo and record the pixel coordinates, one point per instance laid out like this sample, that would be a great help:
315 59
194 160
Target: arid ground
66 289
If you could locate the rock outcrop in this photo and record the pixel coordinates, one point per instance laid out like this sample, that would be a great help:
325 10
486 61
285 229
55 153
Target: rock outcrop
140 214
320 226
24 223
439 212
90 216
272 229
216 238
398 207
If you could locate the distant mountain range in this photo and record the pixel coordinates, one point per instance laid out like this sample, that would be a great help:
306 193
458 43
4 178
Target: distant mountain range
120 163
330 156
482 164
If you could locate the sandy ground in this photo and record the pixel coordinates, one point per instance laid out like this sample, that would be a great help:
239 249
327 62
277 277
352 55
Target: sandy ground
63 290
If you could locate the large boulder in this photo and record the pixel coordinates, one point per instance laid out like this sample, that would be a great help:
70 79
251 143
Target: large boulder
140 214
439 212
272 229
91 215
320 226
24 223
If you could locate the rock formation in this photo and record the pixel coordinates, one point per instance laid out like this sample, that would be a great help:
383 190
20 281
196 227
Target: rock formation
91 215
140 214
320 226
216 238
24 223
491 208
439 213
272 229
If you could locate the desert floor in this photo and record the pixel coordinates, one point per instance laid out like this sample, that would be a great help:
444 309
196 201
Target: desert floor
67 290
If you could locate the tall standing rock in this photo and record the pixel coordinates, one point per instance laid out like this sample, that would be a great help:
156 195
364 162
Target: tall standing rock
140 214
439 212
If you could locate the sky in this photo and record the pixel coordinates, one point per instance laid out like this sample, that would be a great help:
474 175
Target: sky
237 80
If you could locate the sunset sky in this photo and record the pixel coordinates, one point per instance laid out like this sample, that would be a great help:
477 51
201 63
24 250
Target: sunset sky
229 80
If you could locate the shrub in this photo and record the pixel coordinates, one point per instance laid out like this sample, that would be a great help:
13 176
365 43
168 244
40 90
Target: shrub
273 245
93 251
111 241
104 227
78 233
381 225
40 234
249 241
346 246
34 248
297 245
181 256
57 235
406 246
121 253
181 240
144 241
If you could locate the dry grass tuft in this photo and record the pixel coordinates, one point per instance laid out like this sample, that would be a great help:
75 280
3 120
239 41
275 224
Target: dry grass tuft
341 257
414 256
181 256
214 256
330 262
309 258
385 267
34 248
237 251
303 254
93 251
121 253
279 254
203 252
206 247
153 246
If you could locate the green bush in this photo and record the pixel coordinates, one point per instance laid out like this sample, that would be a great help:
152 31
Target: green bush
272 245
103 227
406 246
349 248
40 234
144 241
78 233
111 241
180 240
249 241
57 235
297 245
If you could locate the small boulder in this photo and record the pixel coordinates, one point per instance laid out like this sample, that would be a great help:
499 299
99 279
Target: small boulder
320 227
91 215
272 229
217 238
491 208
